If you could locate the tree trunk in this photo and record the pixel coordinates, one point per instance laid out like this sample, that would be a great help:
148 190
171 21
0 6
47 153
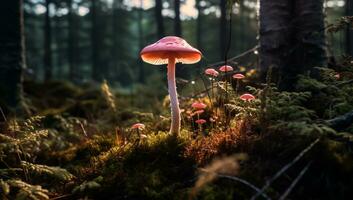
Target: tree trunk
349 30
292 38
115 35
242 23
177 22
48 64
12 58
72 43
96 72
140 31
309 30
199 25
223 28
159 18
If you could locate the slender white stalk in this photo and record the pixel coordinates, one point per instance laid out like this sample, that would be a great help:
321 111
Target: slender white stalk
174 103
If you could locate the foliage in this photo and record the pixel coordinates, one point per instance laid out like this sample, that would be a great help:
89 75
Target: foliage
22 190
53 172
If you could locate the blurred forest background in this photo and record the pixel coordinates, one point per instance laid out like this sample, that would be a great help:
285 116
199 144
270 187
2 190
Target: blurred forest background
85 40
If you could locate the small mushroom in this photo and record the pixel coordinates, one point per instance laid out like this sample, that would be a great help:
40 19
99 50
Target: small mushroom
198 105
247 97
138 127
226 68
170 50
238 77
200 122
214 73
211 72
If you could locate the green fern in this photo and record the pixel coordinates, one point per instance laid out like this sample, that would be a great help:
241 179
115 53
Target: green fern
87 186
23 190
53 172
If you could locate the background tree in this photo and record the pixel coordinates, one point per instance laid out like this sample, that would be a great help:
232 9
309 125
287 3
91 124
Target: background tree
159 18
349 31
223 28
141 42
72 42
177 22
95 41
48 64
292 38
199 22
12 58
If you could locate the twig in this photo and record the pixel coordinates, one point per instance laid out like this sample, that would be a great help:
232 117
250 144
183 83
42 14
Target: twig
3 114
341 122
235 57
234 178
60 197
344 82
83 129
296 180
280 172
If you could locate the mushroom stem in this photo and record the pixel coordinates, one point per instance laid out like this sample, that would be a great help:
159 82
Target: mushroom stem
174 103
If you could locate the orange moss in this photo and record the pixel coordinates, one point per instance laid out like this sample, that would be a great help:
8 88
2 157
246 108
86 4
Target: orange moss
204 149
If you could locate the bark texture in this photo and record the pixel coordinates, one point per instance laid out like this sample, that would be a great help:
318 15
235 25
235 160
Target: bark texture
292 38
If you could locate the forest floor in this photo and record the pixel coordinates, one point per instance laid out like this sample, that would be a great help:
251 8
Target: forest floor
77 143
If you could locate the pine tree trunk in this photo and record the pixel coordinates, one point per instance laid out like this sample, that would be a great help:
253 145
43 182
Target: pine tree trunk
140 31
349 30
115 35
275 34
310 38
12 58
96 72
292 39
199 26
223 28
177 22
48 64
159 19
72 42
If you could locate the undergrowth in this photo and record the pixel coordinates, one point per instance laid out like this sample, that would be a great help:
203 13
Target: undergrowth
83 146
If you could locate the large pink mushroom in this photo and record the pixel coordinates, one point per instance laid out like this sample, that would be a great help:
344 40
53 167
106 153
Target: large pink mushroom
170 50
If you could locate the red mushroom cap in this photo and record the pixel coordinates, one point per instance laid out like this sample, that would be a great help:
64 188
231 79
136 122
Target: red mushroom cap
211 72
139 126
170 47
198 105
247 97
226 68
200 121
238 76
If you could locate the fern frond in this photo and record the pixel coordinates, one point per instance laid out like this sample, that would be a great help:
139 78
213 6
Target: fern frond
28 191
54 172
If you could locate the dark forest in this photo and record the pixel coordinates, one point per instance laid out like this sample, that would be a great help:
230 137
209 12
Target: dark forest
176 99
